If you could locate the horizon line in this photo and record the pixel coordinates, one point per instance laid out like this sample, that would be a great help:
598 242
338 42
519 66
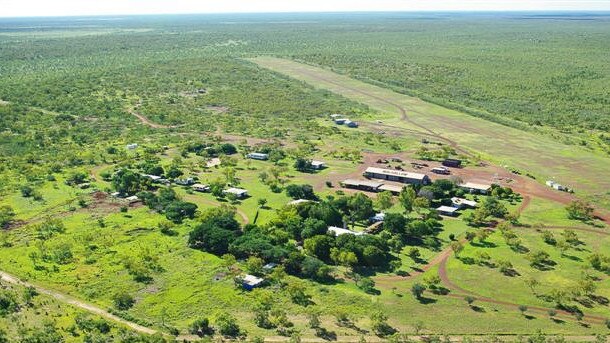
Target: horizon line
312 12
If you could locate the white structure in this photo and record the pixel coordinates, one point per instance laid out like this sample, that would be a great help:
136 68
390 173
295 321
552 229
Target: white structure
338 231
397 175
132 146
555 185
336 115
447 211
441 170
463 203
473 187
250 282
379 217
152 177
201 188
299 201
238 192
132 199
318 164
391 188
341 121
258 156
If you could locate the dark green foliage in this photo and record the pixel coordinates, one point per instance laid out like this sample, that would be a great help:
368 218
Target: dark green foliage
227 325
8 303
301 192
123 301
128 182
201 328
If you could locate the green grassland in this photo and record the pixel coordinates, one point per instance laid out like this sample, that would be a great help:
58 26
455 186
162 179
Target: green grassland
71 99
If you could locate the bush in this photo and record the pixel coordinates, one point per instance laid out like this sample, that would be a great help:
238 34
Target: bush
201 327
123 301
227 325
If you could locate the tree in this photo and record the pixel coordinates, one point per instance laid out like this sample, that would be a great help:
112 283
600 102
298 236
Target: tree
123 301
302 165
469 300
367 285
301 192
522 309
254 265
227 325
394 223
580 210
457 248
384 200
201 328
262 202
379 324
360 207
127 182
532 284
6 215
418 290
319 246
176 211
406 198
414 253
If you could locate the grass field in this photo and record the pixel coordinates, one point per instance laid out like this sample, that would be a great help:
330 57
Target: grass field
570 165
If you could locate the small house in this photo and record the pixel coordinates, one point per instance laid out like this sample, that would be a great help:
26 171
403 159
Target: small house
473 187
350 123
338 231
441 170
317 165
185 182
198 187
269 266
452 163
250 282
463 203
238 192
379 217
132 199
336 115
132 146
447 211
153 178
258 156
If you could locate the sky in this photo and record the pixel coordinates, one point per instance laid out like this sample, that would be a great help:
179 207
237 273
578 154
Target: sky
21 8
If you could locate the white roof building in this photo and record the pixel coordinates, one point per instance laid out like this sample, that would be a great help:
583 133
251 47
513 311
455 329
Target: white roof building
447 210
240 193
317 164
479 187
396 175
461 203
201 187
299 201
338 231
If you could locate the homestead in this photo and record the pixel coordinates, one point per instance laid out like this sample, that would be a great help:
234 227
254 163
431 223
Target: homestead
397 175
473 187
556 186
394 189
298 202
258 156
238 192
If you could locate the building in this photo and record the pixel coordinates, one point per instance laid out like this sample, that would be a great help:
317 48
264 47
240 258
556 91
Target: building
452 163
391 188
338 231
350 123
441 170
132 199
250 282
447 211
132 146
379 217
258 156
317 165
198 187
336 115
397 175
185 182
340 121
363 185
473 187
556 186
238 192
298 202
463 203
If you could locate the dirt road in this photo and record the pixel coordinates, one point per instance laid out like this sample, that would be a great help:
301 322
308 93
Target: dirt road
6 277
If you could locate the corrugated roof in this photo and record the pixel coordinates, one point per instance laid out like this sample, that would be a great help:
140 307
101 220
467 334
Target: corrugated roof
398 173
